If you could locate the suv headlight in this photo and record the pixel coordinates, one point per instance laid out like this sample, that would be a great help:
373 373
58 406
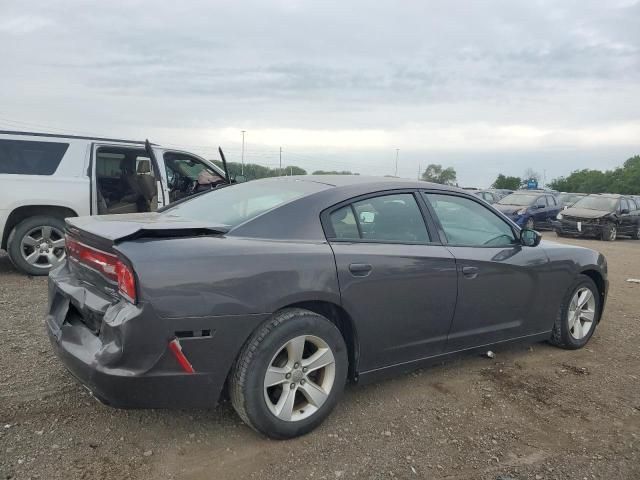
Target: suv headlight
522 211
559 216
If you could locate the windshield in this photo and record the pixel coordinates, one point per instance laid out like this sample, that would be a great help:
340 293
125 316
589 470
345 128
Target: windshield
606 204
519 199
236 204
569 198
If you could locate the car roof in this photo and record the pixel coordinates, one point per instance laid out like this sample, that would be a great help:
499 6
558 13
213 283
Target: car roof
74 137
362 180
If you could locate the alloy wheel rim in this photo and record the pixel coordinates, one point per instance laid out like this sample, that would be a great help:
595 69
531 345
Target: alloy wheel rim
613 233
529 224
582 311
299 378
43 247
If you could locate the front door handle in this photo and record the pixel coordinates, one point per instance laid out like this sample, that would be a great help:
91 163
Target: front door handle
470 272
360 269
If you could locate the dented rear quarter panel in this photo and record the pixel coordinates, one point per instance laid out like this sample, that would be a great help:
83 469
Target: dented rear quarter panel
213 276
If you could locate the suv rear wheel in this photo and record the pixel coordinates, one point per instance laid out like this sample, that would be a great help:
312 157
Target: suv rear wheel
36 245
290 374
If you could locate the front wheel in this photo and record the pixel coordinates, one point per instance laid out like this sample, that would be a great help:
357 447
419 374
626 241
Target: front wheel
609 232
290 374
636 232
578 315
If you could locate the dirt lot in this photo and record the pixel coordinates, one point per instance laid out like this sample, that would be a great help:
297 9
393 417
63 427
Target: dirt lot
531 413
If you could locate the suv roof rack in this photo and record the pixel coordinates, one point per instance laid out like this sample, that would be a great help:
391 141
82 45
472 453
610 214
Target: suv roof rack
77 137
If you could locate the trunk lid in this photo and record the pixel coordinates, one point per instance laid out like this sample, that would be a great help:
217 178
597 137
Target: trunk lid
105 231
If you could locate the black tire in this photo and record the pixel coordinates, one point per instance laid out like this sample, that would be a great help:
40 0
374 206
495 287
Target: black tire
560 234
560 335
636 232
609 232
246 383
14 248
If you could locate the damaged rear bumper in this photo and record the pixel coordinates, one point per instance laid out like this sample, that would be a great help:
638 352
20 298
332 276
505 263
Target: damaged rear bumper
121 353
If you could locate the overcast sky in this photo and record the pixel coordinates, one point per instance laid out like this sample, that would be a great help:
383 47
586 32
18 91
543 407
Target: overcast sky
485 87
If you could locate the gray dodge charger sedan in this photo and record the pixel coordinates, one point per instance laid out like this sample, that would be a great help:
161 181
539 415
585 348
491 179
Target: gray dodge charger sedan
276 292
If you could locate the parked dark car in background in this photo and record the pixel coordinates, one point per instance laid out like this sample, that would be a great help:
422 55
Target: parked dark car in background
530 208
568 199
284 288
487 195
600 215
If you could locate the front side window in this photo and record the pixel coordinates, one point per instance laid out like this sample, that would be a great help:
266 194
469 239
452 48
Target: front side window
187 175
468 223
624 205
387 218
22 157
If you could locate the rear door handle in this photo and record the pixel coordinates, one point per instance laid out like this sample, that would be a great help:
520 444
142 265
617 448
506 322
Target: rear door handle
470 272
360 269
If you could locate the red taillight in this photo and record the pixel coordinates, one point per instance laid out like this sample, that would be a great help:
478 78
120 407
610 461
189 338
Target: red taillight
126 281
107 264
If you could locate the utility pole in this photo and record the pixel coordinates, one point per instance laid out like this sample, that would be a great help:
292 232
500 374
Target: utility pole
419 169
242 164
397 153
291 171
280 161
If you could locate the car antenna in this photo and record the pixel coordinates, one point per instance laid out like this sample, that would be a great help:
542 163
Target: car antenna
224 165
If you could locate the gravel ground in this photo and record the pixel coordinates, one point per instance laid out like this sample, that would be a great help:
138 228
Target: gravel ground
530 413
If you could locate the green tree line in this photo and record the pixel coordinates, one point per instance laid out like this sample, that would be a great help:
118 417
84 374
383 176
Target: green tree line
253 171
624 179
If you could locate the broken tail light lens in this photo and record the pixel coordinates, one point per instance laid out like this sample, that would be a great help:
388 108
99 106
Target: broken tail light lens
106 264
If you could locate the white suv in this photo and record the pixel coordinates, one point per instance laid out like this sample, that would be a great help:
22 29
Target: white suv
45 178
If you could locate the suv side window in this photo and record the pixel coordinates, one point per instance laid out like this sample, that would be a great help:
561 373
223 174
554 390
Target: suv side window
22 157
551 200
468 223
392 218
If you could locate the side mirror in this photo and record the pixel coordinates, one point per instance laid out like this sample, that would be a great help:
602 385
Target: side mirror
530 238
239 179
624 211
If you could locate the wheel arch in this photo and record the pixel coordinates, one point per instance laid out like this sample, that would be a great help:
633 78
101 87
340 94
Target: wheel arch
343 321
598 279
22 213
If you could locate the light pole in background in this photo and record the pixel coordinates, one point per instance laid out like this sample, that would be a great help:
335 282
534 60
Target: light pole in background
397 153
280 161
242 164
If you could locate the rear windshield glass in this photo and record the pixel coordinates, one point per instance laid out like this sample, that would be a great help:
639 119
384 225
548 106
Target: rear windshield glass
519 199
606 204
238 203
30 158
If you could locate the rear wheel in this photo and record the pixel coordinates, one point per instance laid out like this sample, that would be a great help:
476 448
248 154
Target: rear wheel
578 315
36 245
609 232
290 374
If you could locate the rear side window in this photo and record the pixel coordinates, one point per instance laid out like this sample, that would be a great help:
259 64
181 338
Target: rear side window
21 157
551 201
387 218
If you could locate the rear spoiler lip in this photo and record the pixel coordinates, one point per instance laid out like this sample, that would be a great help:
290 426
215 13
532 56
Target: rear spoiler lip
109 233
